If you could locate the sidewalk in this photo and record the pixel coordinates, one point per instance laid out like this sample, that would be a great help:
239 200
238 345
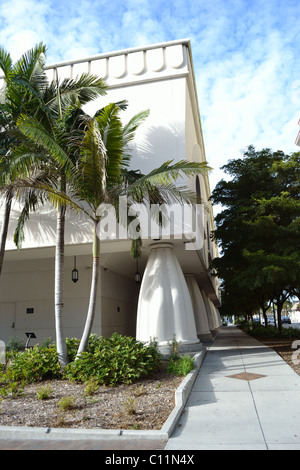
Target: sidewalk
245 398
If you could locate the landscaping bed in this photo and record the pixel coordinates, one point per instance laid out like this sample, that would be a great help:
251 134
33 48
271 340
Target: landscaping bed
145 404
119 383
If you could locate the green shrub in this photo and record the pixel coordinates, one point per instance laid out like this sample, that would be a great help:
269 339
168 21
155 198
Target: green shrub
10 388
33 365
118 359
180 365
260 331
48 343
72 347
15 344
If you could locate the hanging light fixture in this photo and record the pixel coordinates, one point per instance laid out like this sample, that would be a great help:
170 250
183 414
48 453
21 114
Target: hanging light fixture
75 272
137 276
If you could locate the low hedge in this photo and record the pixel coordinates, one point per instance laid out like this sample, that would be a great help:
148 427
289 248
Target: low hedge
260 331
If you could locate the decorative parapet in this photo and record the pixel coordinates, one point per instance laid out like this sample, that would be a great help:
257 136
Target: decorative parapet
130 66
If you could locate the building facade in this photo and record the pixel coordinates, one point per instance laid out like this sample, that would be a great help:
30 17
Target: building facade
177 295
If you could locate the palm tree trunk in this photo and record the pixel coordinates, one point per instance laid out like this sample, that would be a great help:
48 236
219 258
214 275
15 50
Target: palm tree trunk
59 286
93 295
4 230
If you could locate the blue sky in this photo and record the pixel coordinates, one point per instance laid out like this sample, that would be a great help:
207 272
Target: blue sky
245 53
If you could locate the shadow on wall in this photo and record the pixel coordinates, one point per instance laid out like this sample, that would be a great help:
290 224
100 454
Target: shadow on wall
40 229
158 145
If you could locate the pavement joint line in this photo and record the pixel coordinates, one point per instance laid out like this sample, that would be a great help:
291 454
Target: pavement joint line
258 418
254 404
181 396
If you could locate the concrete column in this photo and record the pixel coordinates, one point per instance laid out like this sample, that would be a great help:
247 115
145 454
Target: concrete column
201 319
216 314
213 326
165 309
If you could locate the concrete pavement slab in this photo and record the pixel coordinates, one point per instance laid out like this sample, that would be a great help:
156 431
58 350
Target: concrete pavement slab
245 397
218 418
279 414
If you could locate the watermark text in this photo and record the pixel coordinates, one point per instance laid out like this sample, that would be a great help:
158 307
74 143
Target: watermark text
156 221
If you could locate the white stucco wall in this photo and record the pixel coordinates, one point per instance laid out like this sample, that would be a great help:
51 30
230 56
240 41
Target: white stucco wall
29 284
159 78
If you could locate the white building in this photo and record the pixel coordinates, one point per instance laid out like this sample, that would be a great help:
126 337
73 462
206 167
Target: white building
295 313
177 295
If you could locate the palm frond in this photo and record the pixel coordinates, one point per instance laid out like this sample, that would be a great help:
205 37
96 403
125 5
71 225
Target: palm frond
111 129
131 127
72 92
29 205
129 132
44 188
32 62
168 173
92 167
5 62
36 132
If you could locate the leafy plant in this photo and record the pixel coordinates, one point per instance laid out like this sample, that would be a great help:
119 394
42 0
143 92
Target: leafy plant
33 365
15 344
174 347
130 406
118 359
72 348
67 403
139 391
11 388
43 393
91 387
47 343
181 365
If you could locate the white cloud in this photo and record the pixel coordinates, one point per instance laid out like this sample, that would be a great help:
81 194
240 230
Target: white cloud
245 56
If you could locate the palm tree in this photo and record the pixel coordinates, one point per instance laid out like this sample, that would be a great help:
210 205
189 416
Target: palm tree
54 106
101 175
23 83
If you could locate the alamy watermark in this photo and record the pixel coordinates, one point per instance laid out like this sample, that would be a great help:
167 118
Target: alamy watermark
156 221
295 359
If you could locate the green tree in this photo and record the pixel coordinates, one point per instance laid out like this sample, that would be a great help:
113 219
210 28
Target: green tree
24 83
259 228
55 108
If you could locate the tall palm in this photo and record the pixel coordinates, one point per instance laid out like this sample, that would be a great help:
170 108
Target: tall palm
53 173
55 107
101 175
23 83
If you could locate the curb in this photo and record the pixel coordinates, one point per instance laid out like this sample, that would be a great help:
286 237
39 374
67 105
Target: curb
181 395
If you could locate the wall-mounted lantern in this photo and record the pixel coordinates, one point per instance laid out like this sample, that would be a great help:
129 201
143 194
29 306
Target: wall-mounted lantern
75 272
137 276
